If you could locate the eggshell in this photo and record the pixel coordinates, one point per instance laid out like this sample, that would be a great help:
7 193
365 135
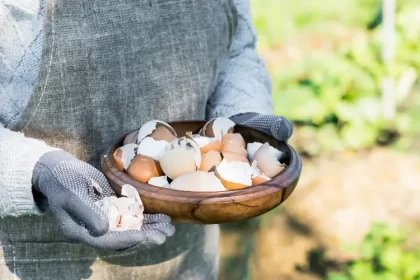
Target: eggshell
123 205
199 181
267 160
230 146
131 222
234 175
161 181
206 143
162 132
234 138
117 159
252 148
124 155
209 160
178 161
142 168
229 157
259 180
152 148
149 127
217 127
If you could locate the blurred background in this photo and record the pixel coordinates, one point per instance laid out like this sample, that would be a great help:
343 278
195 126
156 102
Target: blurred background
346 73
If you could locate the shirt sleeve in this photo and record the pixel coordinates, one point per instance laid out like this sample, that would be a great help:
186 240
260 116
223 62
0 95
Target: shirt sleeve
20 53
18 155
244 84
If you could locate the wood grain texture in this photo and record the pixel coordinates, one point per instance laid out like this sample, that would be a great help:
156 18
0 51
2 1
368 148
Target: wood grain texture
212 207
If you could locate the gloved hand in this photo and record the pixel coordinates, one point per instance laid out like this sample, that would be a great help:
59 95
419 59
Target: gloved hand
279 127
67 184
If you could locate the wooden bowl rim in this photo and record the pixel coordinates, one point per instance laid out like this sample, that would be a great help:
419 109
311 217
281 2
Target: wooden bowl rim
282 180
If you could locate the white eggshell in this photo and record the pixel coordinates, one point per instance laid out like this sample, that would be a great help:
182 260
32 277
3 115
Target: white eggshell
150 147
137 207
199 181
131 222
235 172
178 161
149 127
252 148
161 181
113 217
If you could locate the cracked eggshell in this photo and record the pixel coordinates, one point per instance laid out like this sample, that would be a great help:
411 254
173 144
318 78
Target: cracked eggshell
131 222
142 168
229 157
257 176
234 175
252 148
131 192
152 148
124 155
182 155
206 143
233 147
113 217
198 181
217 127
268 160
161 181
209 160
234 138
158 130
123 211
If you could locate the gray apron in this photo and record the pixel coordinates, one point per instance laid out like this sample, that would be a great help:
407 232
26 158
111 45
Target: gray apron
108 67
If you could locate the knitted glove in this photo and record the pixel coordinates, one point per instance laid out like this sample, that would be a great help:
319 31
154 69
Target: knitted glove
280 127
68 185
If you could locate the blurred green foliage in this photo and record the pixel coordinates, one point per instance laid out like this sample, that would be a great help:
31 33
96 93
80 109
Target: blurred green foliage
329 78
383 257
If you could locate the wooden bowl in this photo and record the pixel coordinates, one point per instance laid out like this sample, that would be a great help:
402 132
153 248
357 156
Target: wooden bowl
212 207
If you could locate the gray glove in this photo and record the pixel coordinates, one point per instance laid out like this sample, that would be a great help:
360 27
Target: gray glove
280 127
66 182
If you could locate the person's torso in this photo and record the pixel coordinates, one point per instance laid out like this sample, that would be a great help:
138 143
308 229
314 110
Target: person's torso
108 67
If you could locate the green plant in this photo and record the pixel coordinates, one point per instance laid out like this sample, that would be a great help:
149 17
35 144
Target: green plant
383 257
334 93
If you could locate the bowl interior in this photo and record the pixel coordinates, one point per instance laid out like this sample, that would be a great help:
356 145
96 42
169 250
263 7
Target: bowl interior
281 180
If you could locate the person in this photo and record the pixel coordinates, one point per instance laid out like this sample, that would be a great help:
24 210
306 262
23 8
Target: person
75 76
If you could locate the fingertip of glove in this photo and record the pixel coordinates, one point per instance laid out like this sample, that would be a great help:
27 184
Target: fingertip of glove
283 129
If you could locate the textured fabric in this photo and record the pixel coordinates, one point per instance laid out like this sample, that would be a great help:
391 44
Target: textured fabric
280 127
21 39
108 67
17 162
68 184
244 85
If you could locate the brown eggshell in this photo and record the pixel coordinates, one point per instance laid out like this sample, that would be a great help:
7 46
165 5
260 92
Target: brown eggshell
235 138
143 168
230 146
208 128
259 180
215 146
270 168
210 159
163 133
118 161
230 185
229 157
264 162
131 138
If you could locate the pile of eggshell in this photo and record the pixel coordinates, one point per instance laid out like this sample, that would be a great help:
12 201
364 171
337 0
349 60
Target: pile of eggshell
216 159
